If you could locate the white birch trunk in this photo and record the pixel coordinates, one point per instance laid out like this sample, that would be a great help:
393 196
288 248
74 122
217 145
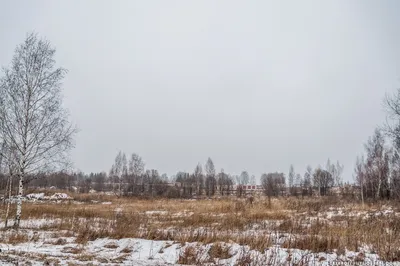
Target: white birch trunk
379 188
362 193
120 192
19 200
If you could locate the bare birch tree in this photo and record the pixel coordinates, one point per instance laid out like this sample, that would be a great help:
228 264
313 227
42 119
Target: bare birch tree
116 172
135 173
376 166
307 186
32 118
359 172
244 178
124 173
338 174
210 182
323 180
291 178
199 179
392 125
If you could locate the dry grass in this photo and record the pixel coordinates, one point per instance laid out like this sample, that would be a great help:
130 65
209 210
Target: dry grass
111 245
72 250
219 250
315 224
13 237
190 255
85 257
126 250
60 241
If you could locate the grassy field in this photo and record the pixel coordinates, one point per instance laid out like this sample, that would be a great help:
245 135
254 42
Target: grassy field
317 225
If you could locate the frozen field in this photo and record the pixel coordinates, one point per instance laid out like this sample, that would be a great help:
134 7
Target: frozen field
60 230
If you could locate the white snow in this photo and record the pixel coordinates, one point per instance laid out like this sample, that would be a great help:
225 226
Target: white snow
133 251
156 212
37 196
59 196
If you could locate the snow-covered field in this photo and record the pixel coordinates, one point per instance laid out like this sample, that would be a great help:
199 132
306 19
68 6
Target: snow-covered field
42 248
64 231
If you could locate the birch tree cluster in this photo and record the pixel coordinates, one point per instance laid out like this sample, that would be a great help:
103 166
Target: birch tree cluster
36 134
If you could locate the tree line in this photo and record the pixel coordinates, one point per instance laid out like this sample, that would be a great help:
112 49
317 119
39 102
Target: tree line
128 176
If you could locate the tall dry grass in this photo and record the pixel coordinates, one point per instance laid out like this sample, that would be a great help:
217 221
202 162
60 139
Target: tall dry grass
291 223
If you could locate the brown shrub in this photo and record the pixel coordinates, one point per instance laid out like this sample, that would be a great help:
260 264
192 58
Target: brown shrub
313 243
244 259
220 251
60 241
126 250
17 237
190 255
111 245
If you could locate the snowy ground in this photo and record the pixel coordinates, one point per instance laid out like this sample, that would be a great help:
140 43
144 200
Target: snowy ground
40 241
63 251
48 248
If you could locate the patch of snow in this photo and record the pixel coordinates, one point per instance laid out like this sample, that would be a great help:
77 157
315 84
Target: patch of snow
156 212
118 210
133 251
59 196
35 196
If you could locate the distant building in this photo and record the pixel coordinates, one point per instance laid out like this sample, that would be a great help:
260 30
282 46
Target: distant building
248 189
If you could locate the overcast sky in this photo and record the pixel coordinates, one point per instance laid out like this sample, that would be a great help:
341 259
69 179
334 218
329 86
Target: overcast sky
255 85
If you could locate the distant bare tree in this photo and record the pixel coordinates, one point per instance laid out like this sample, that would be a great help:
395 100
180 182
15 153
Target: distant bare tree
85 184
330 168
116 172
359 172
392 128
124 173
291 178
323 180
135 173
268 185
210 182
307 186
273 184
298 184
225 183
392 125
136 165
377 167
199 179
338 174
32 117
336 171
164 177
99 179
395 173
244 178
253 180
111 178
153 182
